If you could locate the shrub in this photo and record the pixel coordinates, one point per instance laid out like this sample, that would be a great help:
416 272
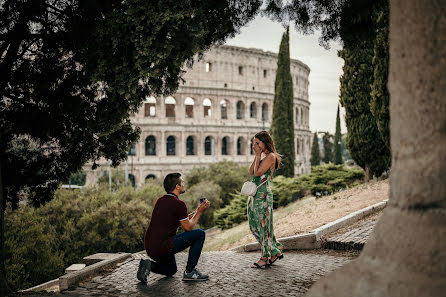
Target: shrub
232 214
228 175
31 254
208 190
323 180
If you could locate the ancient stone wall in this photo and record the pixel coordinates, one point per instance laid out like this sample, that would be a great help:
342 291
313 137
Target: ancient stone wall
227 97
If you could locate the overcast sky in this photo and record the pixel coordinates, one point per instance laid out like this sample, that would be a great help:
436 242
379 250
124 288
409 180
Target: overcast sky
325 66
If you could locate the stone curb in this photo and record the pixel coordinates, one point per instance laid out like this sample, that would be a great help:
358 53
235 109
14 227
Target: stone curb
44 286
69 279
313 240
348 219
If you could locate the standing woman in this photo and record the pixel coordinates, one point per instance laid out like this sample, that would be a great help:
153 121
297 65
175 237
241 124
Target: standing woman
260 206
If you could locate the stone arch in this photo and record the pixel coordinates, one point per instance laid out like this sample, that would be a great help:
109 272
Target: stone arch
265 112
189 107
150 145
225 146
150 176
241 146
208 142
223 109
150 107
190 146
132 180
171 145
253 110
170 104
207 108
297 116
240 107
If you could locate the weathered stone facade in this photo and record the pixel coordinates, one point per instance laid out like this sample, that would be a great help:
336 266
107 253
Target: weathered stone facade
226 99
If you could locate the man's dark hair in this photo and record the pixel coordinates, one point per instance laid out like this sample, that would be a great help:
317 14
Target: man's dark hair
171 180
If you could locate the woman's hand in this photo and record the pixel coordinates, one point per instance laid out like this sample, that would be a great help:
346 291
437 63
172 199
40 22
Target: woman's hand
257 150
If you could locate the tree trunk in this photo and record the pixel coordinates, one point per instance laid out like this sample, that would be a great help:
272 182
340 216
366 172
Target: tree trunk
405 254
4 289
367 174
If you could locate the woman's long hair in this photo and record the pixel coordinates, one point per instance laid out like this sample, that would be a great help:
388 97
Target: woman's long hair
264 137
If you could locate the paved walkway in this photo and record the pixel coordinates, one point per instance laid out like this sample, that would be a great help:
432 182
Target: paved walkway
229 273
352 237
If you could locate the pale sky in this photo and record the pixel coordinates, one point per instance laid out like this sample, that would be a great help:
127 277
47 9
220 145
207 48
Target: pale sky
325 67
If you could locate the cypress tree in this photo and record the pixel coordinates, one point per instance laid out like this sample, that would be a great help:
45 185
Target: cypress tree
282 126
379 105
315 155
363 138
328 147
337 141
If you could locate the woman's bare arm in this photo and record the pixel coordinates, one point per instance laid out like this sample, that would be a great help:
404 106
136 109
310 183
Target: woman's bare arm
266 164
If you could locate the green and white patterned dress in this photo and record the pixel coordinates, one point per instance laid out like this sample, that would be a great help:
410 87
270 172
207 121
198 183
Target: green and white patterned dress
260 216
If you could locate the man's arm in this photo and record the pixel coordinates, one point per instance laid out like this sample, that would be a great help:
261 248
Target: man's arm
190 222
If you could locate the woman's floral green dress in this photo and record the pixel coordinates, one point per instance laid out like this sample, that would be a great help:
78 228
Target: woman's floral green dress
260 216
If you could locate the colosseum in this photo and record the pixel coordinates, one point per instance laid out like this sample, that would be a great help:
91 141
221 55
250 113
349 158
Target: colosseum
227 97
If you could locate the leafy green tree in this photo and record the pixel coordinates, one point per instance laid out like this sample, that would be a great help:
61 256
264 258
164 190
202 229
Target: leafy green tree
327 141
315 154
379 104
282 125
73 71
337 141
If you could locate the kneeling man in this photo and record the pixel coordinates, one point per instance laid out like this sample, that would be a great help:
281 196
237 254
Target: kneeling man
161 241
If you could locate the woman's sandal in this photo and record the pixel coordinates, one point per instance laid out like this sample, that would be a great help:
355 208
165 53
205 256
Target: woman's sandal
257 265
275 259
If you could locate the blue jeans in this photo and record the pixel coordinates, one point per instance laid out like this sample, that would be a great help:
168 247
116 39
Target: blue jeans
167 265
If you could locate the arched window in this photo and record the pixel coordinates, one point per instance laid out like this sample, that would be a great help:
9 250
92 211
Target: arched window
253 110
170 146
223 109
132 180
189 105
190 149
132 150
170 106
208 145
150 176
298 146
301 117
151 146
252 144
264 112
240 146
150 107
297 116
224 146
207 104
240 110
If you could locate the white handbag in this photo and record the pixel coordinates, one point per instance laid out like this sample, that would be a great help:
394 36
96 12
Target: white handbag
250 188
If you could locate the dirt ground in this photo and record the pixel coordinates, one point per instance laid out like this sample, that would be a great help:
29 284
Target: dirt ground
307 214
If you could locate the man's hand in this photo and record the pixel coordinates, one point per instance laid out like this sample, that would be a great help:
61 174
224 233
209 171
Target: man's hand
203 206
190 223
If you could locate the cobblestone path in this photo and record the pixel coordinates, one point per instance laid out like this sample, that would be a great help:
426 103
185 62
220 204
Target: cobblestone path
229 274
353 237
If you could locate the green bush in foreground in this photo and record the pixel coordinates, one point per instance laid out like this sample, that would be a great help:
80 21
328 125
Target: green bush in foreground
31 249
42 242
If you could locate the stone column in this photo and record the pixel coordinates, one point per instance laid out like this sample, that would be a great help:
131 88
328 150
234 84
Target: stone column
405 255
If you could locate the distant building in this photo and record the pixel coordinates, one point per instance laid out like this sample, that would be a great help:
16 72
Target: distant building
226 99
